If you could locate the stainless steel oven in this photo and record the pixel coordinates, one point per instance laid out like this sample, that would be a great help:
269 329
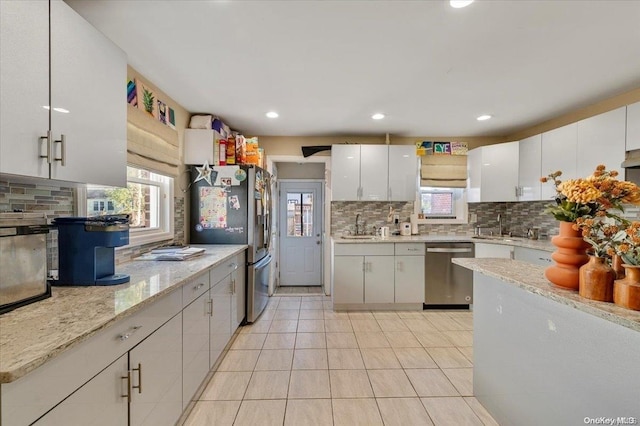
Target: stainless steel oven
447 284
23 260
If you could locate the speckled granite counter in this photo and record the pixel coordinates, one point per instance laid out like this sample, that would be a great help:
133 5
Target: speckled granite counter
508 241
34 334
531 278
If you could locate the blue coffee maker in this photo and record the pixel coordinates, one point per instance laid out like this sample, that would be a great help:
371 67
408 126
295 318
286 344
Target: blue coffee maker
86 249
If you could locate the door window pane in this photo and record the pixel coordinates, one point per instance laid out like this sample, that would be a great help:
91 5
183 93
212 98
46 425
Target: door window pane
299 214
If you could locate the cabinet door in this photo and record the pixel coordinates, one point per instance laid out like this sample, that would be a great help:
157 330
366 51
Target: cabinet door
156 376
374 172
345 172
409 278
99 402
493 250
529 169
474 171
601 140
24 85
379 279
348 279
499 172
559 148
403 173
538 257
238 293
633 126
220 321
195 346
88 88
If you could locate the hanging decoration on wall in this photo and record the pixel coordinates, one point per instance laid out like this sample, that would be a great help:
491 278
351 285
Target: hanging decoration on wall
205 172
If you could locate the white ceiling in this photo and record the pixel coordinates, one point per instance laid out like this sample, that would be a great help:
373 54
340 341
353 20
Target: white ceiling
326 66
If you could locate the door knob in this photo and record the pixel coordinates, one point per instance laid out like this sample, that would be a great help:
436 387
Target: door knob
318 242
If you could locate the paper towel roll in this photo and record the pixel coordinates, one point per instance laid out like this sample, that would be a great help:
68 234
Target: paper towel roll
414 224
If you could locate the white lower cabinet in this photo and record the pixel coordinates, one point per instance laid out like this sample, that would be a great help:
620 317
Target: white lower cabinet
539 257
220 321
99 402
238 292
156 376
493 250
378 273
409 275
195 345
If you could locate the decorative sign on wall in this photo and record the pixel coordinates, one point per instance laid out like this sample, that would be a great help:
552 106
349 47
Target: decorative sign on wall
440 148
142 96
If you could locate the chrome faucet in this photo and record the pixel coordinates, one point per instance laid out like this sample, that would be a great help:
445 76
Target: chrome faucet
499 224
357 225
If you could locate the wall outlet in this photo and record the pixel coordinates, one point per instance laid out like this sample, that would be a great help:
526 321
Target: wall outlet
473 217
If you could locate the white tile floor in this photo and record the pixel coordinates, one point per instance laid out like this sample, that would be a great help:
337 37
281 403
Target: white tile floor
303 364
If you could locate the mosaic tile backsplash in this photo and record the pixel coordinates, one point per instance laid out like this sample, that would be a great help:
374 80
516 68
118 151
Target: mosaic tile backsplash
57 201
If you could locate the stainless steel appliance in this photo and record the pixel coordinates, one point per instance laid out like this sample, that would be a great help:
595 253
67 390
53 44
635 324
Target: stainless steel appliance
236 209
446 284
23 260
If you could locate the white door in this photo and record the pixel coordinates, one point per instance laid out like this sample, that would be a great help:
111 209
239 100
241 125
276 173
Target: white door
301 208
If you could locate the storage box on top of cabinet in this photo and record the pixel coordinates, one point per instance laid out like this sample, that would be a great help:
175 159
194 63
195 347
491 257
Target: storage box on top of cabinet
374 172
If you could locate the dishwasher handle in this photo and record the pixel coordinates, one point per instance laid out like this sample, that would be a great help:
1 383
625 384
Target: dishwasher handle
448 250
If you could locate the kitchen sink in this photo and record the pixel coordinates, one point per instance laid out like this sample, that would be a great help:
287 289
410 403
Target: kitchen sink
505 238
358 237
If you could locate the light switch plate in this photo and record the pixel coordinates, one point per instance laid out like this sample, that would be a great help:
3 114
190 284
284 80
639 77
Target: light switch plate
473 217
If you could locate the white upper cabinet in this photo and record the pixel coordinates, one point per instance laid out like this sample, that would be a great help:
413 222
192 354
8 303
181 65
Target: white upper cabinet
530 157
80 79
493 173
373 173
88 79
633 126
601 140
24 85
559 148
345 172
403 173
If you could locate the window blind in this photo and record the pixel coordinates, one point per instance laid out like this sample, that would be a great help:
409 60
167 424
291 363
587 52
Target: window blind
444 171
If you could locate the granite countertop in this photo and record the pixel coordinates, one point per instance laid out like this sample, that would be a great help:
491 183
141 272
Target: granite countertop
509 241
33 334
531 278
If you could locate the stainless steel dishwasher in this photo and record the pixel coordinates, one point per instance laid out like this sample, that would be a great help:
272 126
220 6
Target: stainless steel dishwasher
447 285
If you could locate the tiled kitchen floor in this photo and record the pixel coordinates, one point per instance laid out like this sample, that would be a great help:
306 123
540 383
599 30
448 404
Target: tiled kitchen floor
303 364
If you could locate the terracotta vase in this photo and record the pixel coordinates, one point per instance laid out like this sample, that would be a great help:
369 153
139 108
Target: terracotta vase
569 257
626 292
596 280
616 264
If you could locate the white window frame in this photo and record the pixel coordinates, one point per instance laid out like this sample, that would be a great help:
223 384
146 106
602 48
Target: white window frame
460 206
138 237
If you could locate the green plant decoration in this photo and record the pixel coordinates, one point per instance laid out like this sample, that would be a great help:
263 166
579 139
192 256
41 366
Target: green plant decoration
147 100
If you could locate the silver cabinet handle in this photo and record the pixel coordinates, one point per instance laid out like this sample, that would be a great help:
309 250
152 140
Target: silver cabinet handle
233 265
199 286
233 286
210 303
139 370
63 150
48 138
128 379
133 329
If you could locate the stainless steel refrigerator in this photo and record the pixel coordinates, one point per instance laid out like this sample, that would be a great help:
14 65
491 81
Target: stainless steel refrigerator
236 209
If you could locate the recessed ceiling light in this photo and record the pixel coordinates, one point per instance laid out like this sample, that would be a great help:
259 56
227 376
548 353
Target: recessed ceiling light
377 116
460 3
483 117
272 114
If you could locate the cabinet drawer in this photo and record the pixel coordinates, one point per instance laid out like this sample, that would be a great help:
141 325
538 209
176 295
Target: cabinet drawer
365 249
223 269
194 288
26 399
408 249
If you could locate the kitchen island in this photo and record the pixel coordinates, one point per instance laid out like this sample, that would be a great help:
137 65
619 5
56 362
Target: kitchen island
52 349
544 355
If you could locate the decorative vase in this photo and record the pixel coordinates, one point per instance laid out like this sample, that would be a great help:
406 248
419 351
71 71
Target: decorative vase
569 257
616 264
596 280
626 292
